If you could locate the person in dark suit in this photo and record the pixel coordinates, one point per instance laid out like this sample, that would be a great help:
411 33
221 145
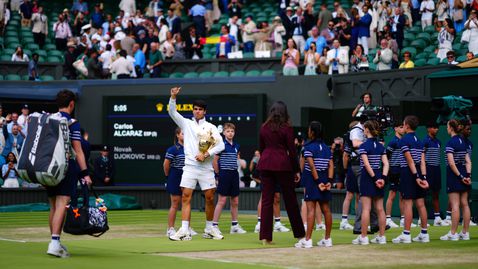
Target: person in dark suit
104 168
398 23
278 165
193 44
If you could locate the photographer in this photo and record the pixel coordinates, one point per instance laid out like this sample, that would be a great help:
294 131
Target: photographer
364 106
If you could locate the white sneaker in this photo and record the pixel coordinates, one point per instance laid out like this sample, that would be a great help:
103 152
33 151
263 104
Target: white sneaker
360 240
181 235
450 237
57 250
213 233
319 227
237 229
472 223
402 224
192 232
279 227
402 238
304 243
419 223
447 221
464 236
325 243
391 223
170 232
422 238
379 240
440 222
345 225
257 229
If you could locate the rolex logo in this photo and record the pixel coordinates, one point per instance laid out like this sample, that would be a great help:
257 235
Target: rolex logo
159 107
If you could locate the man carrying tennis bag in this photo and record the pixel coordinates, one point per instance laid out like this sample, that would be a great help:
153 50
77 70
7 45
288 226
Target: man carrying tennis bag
47 158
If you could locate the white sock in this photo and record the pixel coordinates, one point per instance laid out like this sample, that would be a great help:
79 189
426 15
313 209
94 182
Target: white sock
208 224
185 225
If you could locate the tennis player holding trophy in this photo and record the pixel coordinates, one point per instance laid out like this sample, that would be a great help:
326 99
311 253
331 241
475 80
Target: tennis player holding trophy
201 142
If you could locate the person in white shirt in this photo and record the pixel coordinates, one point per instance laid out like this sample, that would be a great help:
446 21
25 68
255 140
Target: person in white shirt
427 8
40 27
337 59
62 31
128 6
106 58
234 25
20 56
383 58
201 142
121 67
131 61
22 119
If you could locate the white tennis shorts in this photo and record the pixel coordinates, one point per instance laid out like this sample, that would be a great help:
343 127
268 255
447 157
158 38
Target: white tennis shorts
192 176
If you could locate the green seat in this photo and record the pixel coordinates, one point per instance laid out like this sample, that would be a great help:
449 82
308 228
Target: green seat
422 55
27 40
417 23
419 44
415 29
253 73
429 49
278 54
429 29
434 61
372 66
55 53
425 36
33 47
412 50
164 75
13 23
238 73
13 45
47 78
208 56
462 58
432 55
248 55
12 77
420 62
191 75
221 74
11 34
8 51
41 53
53 59
268 73
49 47
25 77
1 77
206 74
409 36
462 51
456 46
176 75
5 58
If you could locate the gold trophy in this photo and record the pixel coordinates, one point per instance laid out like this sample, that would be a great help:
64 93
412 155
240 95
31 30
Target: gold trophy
206 141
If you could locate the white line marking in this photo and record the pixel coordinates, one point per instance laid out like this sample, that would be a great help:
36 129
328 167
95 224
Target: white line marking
12 240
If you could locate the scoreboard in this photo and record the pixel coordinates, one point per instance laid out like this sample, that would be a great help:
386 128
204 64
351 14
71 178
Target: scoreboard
139 130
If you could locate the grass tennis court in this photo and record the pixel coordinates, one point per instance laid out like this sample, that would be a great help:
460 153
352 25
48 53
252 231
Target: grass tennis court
137 240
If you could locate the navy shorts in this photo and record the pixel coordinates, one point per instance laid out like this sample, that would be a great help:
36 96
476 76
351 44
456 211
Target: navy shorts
394 180
367 184
228 183
409 188
351 184
312 191
67 186
434 178
174 179
453 182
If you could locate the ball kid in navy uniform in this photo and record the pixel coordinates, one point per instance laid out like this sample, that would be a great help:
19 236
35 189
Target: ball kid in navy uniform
173 170
225 166
393 153
375 166
317 178
413 183
431 147
466 133
458 182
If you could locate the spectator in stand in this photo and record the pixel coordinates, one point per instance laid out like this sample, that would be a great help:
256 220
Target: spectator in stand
358 60
234 27
11 119
153 7
177 7
450 56
168 46
80 6
226 42
470 56
392 44
323 67
290 59
179 48
234 9
128 6
383 58
198 12
62 31
193 47
26 12
319 41
93 65
364 28
298 33
398 23
287 21
248 31
139 60
472 25
407 61
131 62
324 17
277 34
415 10
32 68
106 24
19 56
70 57
459 14
97 17
344 34
9 172
78 24
22 119
121 66
155 60
309 18
311 60
445 38
13 140
337 59
384 12
174 22
163 31
106 58
427 7
442 10
4 16
262 40
354 27
40 27
104 168
128 41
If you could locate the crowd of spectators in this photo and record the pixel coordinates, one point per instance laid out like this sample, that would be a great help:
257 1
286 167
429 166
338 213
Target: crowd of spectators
137 41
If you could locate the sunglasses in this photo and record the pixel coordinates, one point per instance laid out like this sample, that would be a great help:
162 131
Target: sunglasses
450 56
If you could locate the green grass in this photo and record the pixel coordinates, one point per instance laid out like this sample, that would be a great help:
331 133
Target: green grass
137 240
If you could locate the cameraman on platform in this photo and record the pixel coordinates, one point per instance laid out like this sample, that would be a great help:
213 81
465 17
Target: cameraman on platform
364 106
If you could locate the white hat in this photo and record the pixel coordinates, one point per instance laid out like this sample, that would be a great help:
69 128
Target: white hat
117 29
119 36
86 26
106 37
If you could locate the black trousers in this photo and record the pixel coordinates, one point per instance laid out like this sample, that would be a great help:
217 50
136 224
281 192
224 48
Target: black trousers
61 43
39 39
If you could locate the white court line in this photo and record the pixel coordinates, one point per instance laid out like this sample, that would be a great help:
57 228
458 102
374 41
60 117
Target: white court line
12 240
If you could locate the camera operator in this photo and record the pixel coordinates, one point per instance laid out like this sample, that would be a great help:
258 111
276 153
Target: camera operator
364 106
